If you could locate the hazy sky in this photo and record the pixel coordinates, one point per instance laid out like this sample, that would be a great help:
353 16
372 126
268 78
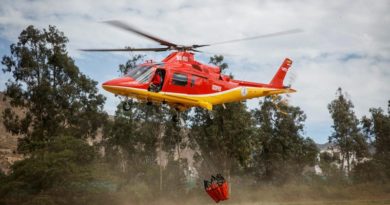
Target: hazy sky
345 42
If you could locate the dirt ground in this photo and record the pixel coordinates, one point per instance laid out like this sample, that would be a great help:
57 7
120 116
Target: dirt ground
298 194
349 202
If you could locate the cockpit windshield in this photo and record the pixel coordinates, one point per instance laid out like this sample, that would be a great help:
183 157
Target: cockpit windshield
141 73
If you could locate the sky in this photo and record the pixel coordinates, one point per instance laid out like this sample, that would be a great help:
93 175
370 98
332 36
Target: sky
344 43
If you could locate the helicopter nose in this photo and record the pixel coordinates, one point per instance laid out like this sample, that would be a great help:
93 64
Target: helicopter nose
123 81
114 84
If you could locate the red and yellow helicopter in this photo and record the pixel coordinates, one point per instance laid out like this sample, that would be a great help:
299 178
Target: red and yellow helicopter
182 82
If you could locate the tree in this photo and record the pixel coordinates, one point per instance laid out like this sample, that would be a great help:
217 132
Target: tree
281 151
223 138
60 169
377 128
328 164
57 99
346 135
225 141
130 139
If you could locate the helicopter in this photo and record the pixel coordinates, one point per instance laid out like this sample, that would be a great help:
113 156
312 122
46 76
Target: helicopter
182 82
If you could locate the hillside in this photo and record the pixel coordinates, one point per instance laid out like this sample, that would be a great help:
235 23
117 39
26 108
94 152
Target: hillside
8 142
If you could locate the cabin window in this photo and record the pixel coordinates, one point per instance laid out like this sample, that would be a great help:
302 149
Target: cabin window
197 80
179 79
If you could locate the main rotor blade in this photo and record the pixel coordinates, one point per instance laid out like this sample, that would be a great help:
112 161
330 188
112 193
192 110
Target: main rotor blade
125 49
256 37
127 27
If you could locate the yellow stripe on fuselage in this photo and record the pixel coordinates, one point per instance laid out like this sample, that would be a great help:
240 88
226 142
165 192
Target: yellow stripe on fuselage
201 100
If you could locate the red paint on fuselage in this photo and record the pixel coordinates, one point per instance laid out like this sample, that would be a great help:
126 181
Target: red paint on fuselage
201 78
126 82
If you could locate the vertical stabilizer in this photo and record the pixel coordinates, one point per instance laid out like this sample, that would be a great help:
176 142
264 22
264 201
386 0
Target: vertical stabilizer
281 73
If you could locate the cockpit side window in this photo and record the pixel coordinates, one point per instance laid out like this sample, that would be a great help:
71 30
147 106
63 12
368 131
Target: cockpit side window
179 79
141 74
145 77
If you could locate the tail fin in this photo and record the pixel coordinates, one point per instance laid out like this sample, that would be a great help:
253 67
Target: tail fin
281 73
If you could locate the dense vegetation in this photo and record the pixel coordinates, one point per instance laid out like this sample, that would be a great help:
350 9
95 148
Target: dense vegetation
140 156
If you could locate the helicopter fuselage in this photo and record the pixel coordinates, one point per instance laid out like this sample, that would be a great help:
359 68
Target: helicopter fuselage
187 83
